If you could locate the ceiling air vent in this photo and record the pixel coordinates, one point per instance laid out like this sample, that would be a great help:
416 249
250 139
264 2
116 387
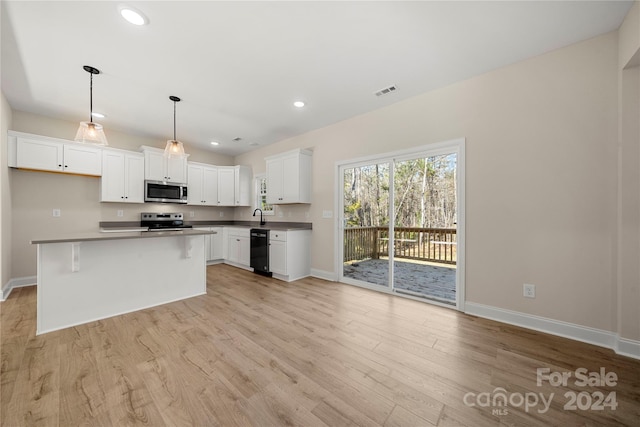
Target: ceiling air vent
237 139
386 90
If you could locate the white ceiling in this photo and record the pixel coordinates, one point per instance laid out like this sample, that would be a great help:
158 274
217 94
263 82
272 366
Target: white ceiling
238 66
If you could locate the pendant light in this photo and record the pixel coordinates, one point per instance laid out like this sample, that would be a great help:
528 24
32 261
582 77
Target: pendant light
90 132
174 147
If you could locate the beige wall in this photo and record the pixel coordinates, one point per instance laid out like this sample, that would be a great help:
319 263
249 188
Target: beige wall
628 273
5 198
540 179
35 194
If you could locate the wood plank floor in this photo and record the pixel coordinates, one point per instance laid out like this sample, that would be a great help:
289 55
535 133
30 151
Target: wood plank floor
257 351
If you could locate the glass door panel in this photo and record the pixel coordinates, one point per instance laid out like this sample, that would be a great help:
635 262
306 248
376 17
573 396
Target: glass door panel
366 224
424 227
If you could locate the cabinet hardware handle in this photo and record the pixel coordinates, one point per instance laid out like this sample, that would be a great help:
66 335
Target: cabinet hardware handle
59 166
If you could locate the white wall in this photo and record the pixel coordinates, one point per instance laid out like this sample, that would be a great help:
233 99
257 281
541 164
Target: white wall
541 177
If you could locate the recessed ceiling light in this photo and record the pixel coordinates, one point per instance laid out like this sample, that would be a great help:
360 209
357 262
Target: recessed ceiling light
298 104
133 16
215 143
98 115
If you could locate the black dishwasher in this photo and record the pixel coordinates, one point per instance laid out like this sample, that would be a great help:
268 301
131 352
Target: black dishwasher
260 251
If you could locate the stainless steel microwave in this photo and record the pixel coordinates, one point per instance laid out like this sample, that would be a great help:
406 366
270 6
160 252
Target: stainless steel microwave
165 192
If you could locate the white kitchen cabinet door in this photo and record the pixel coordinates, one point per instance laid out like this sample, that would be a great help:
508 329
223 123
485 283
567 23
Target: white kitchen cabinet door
195 175
274 181
226 186
154 166
176 168
210 186
82 159
39 155
202 182
134 178
289 177
112 181
245 251
242 187
215 247
48 155
238 247
161 168
122 177
233 248
278 257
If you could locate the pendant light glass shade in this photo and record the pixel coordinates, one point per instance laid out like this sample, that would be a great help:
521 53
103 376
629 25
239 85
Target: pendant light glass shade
174 148
89 132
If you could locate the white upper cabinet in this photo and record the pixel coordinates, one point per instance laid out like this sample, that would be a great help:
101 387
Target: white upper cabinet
122 177
289 177
157 167
202 181
242 187
211 185
56 155
226 186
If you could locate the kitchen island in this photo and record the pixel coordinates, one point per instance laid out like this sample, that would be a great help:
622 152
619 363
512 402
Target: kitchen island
98 275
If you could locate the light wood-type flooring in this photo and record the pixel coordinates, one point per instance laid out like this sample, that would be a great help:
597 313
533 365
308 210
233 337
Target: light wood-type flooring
258 351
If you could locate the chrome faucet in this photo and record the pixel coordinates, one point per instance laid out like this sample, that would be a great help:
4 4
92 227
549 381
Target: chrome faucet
261 220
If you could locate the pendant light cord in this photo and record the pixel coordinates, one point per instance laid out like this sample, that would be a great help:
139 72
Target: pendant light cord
174 120
91 97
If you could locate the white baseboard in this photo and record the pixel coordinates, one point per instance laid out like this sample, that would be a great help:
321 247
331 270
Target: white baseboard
629 348
599 337
326 275
18 282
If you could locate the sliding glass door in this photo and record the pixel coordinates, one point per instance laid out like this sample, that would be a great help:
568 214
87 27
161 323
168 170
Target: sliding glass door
399 225
366 223
425 217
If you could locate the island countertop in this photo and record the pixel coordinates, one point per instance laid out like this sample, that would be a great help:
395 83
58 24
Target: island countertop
97 235
269 225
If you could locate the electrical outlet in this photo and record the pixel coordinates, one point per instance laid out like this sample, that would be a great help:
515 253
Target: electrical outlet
221 214
327 214
192 214
57 213
120 213
529 291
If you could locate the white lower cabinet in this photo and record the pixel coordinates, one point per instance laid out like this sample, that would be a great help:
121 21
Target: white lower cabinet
213 243
215 248
290 254
238 246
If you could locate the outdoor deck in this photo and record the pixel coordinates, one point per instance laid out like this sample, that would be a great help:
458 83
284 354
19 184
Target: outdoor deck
424 260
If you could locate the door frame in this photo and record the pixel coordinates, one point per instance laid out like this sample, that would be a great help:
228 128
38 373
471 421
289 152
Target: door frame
445 147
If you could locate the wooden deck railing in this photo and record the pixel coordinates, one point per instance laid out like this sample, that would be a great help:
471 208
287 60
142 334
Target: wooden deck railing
424 244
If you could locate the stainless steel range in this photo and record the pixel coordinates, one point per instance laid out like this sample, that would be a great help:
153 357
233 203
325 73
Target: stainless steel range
163 221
